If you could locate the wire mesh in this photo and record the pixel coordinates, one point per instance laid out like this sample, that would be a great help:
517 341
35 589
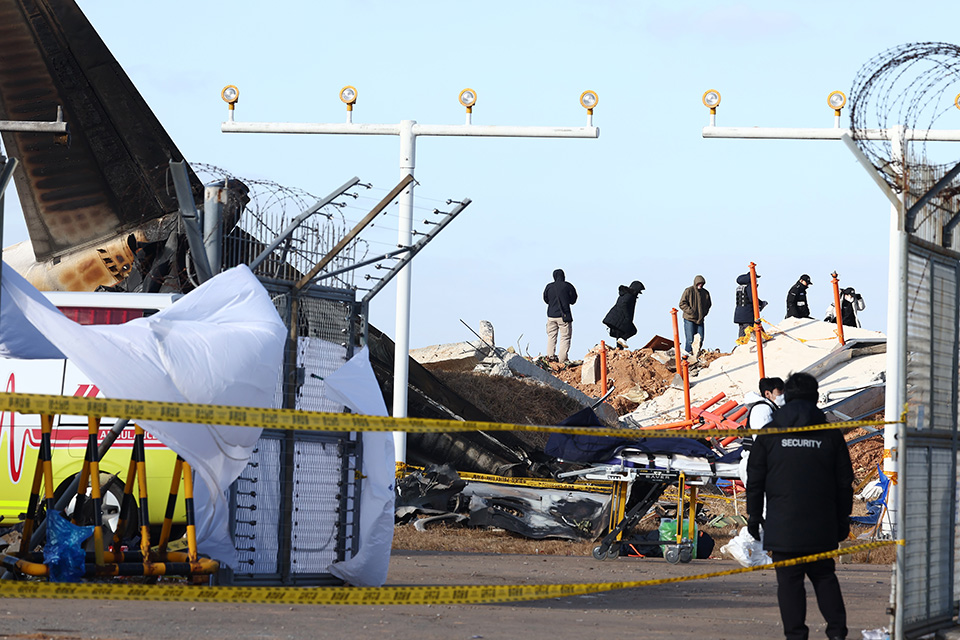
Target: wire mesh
271 209
912 85
295 510
929 452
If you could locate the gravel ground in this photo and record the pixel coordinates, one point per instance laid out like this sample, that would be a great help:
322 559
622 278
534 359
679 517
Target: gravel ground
741 607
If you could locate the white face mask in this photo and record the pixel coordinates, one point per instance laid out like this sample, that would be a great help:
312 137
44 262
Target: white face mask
779 400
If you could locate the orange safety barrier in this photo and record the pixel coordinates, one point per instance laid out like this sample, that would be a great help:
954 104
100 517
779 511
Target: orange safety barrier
716 418
676 340
726 407
683 424
714 400
758 327
603 368
836 306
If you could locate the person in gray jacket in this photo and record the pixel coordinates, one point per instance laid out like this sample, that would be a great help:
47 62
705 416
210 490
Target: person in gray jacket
695 303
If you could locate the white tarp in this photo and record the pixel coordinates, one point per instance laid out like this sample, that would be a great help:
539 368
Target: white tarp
220 344
355 386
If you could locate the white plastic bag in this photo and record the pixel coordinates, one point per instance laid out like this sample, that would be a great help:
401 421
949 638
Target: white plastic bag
872 491
876 634
746 550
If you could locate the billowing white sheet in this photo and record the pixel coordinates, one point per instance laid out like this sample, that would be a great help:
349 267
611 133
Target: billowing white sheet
220 344
355 386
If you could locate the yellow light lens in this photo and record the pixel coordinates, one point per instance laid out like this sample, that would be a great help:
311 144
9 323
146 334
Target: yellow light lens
468 97
711 98
348 94
837 99
589 99
230 94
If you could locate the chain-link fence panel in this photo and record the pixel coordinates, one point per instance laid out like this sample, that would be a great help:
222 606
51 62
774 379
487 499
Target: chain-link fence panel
929 453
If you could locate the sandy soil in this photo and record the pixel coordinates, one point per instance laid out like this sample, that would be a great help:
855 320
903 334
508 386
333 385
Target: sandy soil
637 375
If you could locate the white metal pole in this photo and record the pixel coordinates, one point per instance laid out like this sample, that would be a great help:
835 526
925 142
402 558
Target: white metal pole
408 162
896 338
896 384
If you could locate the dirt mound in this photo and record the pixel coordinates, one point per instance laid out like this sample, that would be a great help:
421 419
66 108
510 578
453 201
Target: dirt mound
513 400
636 375
866 454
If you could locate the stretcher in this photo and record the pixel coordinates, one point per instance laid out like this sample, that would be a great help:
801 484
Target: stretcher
650 469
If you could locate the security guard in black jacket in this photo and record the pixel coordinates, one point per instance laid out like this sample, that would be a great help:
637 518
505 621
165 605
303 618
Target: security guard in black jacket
805 481
797 306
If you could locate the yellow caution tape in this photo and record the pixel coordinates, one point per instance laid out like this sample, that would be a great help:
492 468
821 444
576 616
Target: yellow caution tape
460 594
291 419
800 340
596 486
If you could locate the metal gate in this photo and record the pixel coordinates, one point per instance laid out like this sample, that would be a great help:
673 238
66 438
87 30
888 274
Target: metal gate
295 509
928 476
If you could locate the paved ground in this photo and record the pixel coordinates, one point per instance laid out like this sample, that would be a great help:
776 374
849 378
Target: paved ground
741 607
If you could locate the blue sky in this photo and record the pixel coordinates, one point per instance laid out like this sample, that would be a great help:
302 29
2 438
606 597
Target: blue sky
649 200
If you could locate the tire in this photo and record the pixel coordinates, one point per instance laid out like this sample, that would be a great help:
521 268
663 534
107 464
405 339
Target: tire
111 492
600 552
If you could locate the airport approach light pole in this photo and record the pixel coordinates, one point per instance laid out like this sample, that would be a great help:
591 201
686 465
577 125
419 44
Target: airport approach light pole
408 132
896 393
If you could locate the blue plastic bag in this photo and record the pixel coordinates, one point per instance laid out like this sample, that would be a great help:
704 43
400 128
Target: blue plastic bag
64 554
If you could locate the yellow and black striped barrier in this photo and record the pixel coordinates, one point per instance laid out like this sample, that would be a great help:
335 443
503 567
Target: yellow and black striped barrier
291 419
409 595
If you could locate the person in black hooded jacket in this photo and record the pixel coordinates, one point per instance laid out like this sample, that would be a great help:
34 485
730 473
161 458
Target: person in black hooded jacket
619 319
559 295
803 480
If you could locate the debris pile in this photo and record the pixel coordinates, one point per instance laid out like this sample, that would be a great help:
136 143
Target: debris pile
795 345
646 391
635 376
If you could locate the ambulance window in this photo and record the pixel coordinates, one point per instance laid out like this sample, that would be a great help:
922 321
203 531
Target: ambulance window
97 315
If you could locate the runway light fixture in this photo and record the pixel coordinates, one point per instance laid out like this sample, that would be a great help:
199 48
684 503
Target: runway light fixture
230 95
836 100
589 100
711 100
468 98
348 95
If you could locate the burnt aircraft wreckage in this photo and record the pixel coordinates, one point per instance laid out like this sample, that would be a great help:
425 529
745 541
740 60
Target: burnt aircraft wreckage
102 214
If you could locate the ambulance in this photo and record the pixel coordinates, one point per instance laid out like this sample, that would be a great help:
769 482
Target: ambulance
20 433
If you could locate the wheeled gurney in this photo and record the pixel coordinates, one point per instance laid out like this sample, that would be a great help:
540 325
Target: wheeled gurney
647 467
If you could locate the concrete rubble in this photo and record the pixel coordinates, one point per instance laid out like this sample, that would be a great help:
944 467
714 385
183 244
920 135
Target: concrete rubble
795 345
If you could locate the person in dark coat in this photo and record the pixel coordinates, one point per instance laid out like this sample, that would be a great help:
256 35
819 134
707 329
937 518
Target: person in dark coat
559 295
799 488
743 313
851 303
797 306
695 303
619 319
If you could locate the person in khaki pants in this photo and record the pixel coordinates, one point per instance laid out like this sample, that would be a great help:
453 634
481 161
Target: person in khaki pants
559 295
